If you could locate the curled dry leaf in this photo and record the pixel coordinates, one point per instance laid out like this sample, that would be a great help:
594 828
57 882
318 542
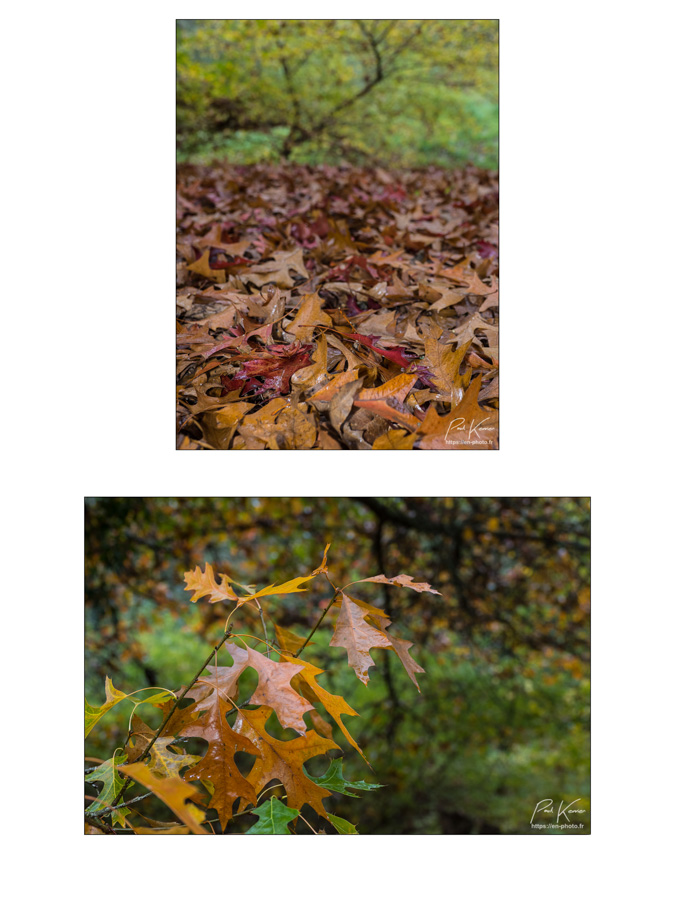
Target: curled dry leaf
401 581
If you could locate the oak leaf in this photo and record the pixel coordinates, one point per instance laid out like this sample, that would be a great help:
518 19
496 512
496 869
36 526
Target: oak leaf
308 317
288 640
395 439
274 690
342 826
218 765
202 267
335 705
107 774
166 762
357 636
443 363
333 780
284 760
387 400
205 584
273 817
468 427
92 714
401 581
173 791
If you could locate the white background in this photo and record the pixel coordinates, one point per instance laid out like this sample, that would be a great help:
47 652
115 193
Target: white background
88 213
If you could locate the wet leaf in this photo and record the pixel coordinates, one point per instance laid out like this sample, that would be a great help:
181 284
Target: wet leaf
274 817
173 791
352 277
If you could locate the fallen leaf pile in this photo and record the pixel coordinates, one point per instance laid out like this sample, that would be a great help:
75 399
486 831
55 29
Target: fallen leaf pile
337 308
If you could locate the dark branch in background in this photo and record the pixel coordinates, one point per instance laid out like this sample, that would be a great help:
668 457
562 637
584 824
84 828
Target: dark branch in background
457 552
299 134
416 523
396 711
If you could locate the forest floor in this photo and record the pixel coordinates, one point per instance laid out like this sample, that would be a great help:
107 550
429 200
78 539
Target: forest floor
337 308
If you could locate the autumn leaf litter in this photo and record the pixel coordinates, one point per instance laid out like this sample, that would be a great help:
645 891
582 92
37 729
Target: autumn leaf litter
336 308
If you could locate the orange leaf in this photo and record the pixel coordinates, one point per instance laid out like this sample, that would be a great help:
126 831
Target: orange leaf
402 581
335 705
387 400
173 791
204 583
284 759
357 637
308 317
218 764
468 427
274 690
395 439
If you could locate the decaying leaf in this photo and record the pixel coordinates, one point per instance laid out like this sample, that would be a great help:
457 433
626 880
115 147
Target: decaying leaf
401 581
293 284
468 427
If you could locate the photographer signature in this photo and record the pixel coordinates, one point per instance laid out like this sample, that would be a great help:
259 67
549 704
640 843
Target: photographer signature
546 806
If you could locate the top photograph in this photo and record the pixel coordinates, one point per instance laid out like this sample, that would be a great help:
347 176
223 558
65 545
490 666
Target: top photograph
337 234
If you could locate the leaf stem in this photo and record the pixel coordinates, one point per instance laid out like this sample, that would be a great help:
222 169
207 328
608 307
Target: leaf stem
262 619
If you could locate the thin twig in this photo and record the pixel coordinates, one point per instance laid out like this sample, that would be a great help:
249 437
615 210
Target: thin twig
323 615
109 809
170 713
92 820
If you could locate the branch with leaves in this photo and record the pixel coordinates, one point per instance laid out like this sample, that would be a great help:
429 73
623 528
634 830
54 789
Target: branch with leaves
255 730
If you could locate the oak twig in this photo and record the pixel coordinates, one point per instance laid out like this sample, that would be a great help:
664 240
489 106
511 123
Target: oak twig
169 714
323 615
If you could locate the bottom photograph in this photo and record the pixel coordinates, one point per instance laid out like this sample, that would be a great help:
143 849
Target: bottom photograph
398 665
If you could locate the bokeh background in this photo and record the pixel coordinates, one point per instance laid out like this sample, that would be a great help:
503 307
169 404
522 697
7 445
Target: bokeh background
395 92
503 718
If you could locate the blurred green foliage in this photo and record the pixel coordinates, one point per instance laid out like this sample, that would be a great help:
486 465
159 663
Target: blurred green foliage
395 92
503 718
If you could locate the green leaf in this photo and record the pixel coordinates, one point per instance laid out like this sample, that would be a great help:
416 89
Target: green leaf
342 825
273 818
333 780
92 714
112 784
